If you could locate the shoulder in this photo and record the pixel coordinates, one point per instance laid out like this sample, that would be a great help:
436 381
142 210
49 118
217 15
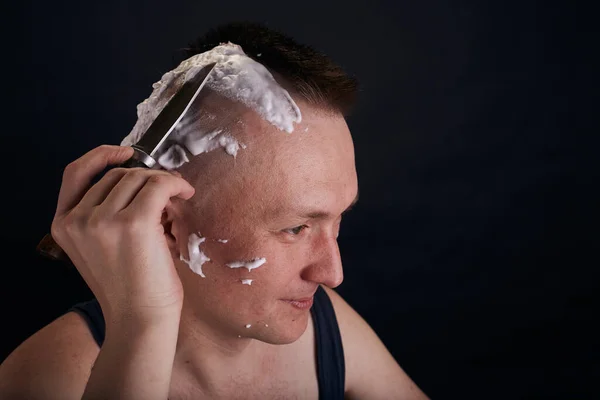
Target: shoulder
53 363
371 371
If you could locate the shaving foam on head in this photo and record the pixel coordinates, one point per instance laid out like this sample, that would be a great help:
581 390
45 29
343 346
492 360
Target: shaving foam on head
236 77
197 257
250 265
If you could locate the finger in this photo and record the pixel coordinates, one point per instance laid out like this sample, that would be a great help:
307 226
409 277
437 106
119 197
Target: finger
156 193
125 190
79 174
99 191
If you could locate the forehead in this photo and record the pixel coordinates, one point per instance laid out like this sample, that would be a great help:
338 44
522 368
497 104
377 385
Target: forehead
310 165
279 170
320 143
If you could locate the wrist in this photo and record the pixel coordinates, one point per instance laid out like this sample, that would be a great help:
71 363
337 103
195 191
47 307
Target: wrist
143 318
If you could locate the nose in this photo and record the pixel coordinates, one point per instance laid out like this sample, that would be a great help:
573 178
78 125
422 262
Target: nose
326 264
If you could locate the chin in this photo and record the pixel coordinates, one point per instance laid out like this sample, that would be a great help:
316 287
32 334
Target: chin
286 331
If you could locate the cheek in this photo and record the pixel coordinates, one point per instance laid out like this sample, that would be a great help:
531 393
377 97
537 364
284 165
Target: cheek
278 276
267 267
236 263
223 297
240 288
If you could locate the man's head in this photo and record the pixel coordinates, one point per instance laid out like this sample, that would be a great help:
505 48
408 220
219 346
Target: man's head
281 198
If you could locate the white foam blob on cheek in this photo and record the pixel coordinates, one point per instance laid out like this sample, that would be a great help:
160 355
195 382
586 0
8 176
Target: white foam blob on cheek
247 281
250 265
197 256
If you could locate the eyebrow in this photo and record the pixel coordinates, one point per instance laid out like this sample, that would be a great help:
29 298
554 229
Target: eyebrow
325 214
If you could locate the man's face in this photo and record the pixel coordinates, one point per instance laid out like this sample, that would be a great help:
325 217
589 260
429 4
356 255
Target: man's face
281 198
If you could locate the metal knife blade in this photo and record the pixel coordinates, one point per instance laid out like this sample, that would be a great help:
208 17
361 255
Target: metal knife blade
163 125
148 146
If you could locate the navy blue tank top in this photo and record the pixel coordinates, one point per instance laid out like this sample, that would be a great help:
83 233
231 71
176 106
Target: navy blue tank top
331 369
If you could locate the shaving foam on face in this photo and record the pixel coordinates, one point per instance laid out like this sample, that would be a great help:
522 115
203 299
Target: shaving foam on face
252 264
236 77
197 257
246 281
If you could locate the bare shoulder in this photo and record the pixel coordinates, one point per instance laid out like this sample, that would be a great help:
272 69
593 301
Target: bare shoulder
371 371
53 363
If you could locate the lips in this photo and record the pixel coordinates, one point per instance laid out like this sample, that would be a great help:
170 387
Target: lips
301 304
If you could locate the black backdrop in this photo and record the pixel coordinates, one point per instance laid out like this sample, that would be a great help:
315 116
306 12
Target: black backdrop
472 251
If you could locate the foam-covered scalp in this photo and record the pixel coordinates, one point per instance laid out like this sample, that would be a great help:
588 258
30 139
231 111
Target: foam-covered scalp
236 77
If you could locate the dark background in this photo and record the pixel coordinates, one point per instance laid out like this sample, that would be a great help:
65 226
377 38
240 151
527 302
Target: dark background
473 248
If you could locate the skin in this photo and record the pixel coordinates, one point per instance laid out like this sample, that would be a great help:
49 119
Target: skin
281 198
262 203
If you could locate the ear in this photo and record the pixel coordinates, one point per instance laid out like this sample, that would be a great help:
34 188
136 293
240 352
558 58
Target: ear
171 224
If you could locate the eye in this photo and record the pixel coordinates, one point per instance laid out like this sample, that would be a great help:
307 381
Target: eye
296 230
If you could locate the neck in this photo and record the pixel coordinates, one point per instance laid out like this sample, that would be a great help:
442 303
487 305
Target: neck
210 356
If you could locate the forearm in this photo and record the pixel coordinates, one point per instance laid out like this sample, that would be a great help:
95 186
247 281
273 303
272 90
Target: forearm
135 362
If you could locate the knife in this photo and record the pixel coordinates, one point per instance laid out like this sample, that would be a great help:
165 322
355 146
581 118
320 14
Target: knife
148 148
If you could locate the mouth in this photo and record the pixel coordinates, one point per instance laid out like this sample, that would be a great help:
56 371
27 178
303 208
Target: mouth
301 304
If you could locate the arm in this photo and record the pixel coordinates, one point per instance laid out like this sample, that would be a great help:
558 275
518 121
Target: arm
371 371
135 362
113 233
52 364
62 361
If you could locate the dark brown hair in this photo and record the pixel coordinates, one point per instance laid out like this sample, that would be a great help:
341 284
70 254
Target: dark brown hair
311 75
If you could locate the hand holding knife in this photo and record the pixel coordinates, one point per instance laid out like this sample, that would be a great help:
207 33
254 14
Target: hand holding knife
151 144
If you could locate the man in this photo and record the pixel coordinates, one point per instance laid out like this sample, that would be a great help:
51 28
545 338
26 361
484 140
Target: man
206 275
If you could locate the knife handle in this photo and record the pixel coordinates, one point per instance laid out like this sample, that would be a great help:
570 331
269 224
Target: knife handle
48 248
